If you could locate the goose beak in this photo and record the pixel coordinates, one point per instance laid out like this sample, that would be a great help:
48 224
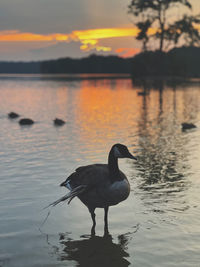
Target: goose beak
62 184
130 156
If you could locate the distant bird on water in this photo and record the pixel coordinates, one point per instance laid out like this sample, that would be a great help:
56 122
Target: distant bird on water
26 121
188 126
13 115
99 185
58 122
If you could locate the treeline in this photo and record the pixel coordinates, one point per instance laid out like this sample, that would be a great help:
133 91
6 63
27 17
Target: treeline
91 64
179 62
19 67
184 62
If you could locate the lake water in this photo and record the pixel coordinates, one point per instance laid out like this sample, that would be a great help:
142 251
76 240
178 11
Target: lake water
158 225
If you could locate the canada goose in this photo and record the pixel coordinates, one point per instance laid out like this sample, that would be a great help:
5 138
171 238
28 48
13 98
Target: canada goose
26 121
99 185
13 115
187 126
58 122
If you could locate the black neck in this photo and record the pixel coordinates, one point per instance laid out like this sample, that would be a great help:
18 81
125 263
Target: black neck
113 167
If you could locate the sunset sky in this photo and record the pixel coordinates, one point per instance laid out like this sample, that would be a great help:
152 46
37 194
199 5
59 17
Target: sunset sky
49 29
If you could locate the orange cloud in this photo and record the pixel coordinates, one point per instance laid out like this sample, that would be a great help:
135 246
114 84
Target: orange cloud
83 36
96 34
127 52
88 45
89 39
17 36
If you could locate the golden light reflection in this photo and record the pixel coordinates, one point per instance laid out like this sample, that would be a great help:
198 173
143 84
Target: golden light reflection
34 100
103 112
106 114
112 111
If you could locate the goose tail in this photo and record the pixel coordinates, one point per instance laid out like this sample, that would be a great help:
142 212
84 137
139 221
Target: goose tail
72 194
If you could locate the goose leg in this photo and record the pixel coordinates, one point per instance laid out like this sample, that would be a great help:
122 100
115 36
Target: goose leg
106 221
93 220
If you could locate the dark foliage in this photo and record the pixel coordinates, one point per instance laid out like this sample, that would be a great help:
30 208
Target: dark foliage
91 64
183 62
19 67
156 14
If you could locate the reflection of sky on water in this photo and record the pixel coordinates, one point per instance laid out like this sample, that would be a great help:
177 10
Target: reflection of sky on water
165 180
162 152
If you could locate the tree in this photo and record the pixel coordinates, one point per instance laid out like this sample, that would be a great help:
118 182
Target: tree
154 16
185 29
143 26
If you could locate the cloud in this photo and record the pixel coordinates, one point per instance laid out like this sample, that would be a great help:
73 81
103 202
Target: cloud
81 36
127 52
17 36
96 34
88 39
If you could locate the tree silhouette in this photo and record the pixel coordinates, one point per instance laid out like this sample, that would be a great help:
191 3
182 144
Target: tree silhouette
185 30
142 35
153 19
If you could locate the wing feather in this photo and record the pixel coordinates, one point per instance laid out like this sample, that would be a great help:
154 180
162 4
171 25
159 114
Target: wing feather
72 194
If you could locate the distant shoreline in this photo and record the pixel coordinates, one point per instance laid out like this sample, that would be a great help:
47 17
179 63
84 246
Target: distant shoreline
61 76
178 64
147 80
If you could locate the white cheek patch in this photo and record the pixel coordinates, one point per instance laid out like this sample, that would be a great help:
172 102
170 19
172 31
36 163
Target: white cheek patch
117 153
68 186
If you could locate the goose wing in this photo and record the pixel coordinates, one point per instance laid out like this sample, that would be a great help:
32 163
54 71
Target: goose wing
90 176
91 184
98 190
85 179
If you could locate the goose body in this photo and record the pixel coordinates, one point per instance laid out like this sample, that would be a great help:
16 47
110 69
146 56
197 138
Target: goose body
101 192
99 185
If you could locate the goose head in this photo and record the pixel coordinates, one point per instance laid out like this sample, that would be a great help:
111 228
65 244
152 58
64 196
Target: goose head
121 151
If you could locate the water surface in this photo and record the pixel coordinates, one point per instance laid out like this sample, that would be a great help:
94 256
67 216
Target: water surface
158 225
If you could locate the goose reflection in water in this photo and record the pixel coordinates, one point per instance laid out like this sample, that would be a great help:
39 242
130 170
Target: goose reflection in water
95 250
